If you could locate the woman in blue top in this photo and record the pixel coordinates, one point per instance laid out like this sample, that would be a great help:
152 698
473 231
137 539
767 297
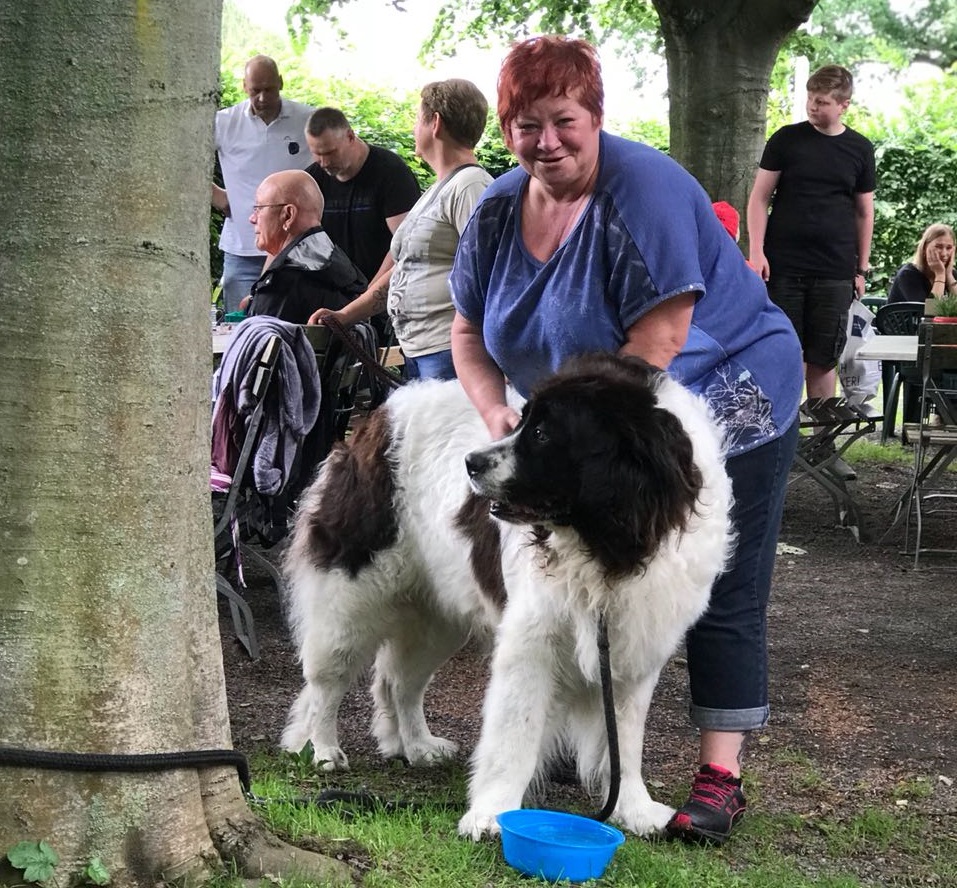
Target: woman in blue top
600 244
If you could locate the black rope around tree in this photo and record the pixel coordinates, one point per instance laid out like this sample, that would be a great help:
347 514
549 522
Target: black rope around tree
96 762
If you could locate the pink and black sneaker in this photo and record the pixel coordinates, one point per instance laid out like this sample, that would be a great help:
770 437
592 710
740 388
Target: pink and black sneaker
715 805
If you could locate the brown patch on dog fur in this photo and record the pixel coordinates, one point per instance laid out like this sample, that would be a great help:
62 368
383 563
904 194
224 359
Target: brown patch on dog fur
351 515
484 538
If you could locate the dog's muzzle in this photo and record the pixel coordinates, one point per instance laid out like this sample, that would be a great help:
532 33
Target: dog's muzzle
477 463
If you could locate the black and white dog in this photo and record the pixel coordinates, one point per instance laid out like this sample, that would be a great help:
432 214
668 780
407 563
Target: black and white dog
610 497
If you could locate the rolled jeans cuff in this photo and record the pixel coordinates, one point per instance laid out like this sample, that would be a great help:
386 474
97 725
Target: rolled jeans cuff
734 720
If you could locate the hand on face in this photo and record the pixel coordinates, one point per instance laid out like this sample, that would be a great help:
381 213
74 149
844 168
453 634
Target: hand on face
940 256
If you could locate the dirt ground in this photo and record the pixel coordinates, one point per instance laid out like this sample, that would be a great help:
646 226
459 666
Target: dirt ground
863 675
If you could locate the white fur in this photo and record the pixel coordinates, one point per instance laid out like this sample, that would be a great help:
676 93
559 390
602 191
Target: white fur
418 602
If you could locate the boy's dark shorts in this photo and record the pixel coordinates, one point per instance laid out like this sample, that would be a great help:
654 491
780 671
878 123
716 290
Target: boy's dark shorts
817 307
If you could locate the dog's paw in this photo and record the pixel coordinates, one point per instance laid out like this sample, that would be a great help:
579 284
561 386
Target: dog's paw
644 820
330 758
433 752
476 825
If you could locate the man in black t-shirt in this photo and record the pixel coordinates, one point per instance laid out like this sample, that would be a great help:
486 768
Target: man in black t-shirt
368 191
814 247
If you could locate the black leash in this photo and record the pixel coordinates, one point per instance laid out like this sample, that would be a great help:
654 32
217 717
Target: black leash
611 725
355 346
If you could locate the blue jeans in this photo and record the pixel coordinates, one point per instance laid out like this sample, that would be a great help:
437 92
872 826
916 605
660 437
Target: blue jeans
727 648
438 365
239 274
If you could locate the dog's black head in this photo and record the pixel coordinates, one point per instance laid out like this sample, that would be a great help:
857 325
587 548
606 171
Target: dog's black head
594 451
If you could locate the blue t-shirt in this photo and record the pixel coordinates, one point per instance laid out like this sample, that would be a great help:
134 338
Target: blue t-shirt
648 233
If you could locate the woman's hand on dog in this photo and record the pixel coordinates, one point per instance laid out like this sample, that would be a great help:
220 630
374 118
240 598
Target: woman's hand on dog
501 420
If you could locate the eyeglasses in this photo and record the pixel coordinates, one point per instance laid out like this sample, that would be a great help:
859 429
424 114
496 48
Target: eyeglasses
258 207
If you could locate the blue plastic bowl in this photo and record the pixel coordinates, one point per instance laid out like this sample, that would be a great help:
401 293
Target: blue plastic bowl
554 845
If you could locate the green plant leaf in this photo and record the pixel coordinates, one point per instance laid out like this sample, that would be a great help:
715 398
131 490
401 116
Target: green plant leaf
36 859
96 873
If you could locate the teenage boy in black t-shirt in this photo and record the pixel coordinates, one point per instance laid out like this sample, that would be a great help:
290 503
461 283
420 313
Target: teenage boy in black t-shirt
818 177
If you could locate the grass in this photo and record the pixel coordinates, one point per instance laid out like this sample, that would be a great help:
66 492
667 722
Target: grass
882 843
891 453
891 839
803 773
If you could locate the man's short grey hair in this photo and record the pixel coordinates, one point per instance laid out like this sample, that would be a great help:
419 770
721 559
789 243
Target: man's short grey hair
323 119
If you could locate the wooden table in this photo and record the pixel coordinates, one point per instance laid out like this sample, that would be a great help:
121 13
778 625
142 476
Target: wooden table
902 349
222 334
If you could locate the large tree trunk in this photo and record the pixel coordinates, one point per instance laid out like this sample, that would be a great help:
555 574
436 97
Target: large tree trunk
720 55
108 629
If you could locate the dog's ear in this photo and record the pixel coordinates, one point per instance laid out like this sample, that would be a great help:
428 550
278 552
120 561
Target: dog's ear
647 491
347 514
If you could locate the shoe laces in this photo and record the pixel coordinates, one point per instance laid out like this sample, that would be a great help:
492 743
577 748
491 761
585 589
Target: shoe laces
714 789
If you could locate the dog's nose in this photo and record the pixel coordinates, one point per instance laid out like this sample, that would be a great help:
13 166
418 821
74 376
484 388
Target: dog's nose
475 463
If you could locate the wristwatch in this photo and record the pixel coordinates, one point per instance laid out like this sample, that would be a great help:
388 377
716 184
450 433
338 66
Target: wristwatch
864 273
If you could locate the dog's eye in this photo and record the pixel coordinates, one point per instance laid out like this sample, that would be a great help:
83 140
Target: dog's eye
539 435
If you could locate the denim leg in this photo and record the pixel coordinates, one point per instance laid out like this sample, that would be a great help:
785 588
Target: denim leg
727 648
438 365
239 274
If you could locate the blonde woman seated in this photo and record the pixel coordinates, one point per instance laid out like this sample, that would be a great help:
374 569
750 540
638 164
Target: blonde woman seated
931 272
448 126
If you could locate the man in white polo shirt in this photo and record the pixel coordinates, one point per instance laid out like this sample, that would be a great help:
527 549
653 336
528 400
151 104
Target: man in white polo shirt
259 136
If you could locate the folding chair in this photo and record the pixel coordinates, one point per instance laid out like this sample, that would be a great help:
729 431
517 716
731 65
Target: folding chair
828 427
231 503
935 435
898 319
339 376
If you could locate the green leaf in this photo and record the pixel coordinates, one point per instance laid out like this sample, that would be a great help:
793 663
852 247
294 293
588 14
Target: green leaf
96 873
36 859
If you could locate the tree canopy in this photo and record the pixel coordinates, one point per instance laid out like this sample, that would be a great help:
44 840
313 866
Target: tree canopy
917 159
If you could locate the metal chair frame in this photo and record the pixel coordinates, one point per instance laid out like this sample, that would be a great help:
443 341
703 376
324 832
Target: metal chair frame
897 319
829 426
236 503
935 435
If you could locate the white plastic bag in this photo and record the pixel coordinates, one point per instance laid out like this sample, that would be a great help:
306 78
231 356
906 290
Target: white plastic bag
859 379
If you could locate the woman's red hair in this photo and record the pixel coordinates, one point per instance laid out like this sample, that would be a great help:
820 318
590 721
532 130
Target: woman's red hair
549 66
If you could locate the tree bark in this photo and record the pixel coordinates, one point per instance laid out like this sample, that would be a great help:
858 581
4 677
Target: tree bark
720 55
109 637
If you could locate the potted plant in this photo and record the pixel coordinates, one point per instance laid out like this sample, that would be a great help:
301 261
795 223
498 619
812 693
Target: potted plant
946 309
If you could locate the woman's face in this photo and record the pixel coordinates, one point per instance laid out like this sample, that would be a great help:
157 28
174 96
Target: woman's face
941 249
555 140
422 131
